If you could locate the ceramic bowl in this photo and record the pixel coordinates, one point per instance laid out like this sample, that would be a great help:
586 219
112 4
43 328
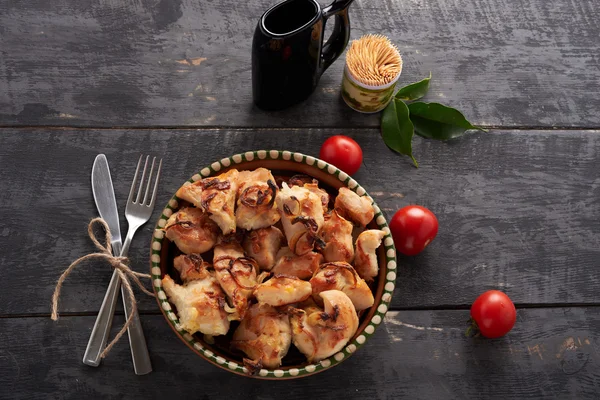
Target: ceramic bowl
295 364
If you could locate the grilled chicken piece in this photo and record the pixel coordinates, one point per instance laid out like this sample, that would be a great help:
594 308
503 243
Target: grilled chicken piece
323 195
257 192
337 234
311 184
320 334
191 230
365 262
354 207
216 196
291 264
281 290
200 305
218 199
236 274
191 192
264 335
263 245
341 276
191 267
302 217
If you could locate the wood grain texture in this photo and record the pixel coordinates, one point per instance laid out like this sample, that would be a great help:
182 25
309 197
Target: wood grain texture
550 354
518 210
187 63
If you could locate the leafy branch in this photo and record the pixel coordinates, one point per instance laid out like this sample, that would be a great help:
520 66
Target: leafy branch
400 121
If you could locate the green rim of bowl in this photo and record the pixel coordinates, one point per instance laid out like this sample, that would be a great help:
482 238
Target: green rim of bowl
284 373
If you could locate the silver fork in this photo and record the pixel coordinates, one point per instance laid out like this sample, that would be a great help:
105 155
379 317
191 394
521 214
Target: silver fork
137 212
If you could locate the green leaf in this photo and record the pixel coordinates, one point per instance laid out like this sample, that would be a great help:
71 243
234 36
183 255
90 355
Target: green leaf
437 121
396 128
414 91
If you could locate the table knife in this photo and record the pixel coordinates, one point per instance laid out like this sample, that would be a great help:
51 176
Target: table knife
104 197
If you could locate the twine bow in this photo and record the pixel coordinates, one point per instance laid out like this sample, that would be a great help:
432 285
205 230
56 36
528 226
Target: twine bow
119 264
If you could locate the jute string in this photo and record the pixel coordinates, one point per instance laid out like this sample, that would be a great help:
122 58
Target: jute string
118 263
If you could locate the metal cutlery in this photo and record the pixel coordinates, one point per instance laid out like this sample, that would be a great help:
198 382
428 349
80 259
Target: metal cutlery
137 212
104 197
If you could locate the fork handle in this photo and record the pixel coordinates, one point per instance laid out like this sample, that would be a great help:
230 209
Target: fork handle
137 340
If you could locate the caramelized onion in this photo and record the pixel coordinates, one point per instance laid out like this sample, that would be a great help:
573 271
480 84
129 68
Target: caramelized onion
308 222
245 261
183 224
337 266
300 180
206 200
248 200
215 184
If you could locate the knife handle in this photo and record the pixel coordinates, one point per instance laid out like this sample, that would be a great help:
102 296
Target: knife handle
101 329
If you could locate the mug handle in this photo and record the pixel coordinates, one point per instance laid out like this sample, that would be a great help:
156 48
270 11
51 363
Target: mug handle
341 31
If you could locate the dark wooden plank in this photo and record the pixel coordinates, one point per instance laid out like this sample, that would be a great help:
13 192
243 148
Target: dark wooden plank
82 62
518 210
550 354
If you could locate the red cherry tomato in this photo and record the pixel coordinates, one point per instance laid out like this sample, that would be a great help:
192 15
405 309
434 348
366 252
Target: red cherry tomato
343 152
413 228
494 313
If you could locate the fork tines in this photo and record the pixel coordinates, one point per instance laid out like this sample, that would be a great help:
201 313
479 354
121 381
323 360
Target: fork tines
138 199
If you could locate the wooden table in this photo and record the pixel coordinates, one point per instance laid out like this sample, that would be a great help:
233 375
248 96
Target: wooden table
519 206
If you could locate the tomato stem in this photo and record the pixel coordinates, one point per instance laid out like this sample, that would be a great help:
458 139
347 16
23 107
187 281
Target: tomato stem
473 329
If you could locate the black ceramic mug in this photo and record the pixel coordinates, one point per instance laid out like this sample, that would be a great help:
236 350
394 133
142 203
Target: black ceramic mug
288 53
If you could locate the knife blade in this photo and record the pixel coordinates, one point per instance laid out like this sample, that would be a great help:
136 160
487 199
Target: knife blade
104 197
